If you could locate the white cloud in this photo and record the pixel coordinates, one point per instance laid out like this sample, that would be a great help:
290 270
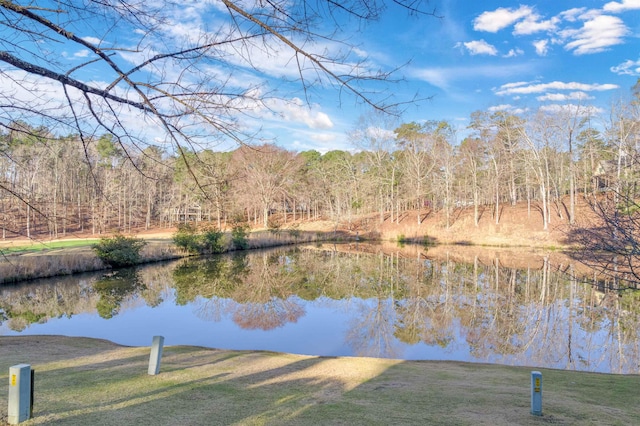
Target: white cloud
514 52
480 47
25 89
503 107
522 89
318 120
500 18
92 40
437 77
561 97
532 25
573 109
199 23
33 93
572 15
445 78
322 142
380 133
507 108
81 53
542 47
596 35
623 6
628 67
514 84
295 110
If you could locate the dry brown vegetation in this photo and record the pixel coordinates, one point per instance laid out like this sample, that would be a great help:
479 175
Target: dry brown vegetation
519 226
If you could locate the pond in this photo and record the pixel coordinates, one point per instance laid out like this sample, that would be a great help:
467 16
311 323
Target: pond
408 303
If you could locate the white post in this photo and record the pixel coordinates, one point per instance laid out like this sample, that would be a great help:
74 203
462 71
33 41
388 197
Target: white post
19 393
536 393
156 355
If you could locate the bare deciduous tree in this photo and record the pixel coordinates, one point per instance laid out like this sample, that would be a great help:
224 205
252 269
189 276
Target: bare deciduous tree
143 70
268 172
418 162
610 243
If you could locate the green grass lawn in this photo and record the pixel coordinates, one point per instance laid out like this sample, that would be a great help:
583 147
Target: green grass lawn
38 247
94 382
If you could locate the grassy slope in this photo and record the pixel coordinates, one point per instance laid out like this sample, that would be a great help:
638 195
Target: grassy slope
83 381
42 246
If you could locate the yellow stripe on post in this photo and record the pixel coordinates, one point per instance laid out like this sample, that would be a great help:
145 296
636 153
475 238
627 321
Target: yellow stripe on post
19 409
536 393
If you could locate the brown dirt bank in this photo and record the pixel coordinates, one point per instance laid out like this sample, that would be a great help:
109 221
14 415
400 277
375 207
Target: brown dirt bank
518 226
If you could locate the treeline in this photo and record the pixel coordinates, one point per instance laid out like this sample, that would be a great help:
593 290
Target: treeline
54 186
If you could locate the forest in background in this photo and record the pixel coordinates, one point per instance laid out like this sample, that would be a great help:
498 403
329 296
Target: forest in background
54 186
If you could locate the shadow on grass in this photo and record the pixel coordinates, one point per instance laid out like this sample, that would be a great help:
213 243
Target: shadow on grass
199 386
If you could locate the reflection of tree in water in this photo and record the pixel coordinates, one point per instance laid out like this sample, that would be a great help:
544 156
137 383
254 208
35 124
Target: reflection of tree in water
19 321
206 278
426 314
499 326
254 289
411 311
507 315
426 320
591 312
115 287
409 326
38 301
371 329
622 346
267 316
211 309
517 316
507 312
157 280
263 300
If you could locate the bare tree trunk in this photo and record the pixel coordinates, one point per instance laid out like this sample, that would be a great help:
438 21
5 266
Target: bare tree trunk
545 209
28 220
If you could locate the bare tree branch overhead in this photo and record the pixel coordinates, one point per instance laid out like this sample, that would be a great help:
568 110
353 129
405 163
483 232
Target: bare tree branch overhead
157 65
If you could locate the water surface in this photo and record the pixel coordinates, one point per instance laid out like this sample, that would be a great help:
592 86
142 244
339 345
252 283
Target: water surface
347 300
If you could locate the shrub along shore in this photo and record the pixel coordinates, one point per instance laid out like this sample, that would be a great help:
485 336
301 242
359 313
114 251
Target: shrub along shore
44 260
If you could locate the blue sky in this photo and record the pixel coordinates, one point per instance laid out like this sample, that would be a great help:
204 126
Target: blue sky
478 55
497 55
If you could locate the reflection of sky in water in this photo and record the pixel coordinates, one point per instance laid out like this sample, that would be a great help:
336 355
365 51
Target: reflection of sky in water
320 331
477 323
